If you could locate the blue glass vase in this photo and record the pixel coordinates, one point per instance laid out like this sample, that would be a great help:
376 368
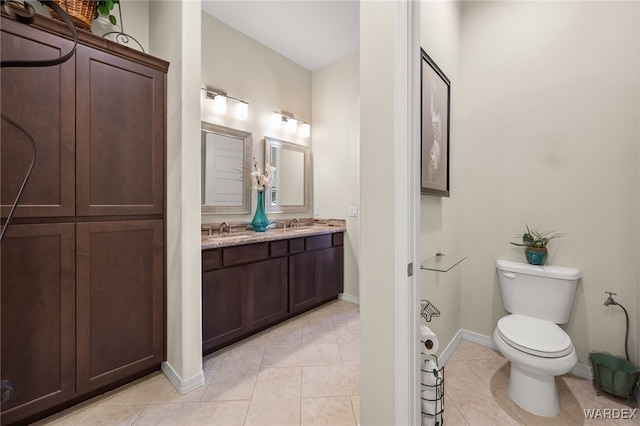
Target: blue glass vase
260 220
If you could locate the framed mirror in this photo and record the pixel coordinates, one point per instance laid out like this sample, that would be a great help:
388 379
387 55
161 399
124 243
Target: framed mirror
291 189
226 170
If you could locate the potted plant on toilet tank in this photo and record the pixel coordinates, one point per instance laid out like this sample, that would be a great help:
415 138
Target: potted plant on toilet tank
535 244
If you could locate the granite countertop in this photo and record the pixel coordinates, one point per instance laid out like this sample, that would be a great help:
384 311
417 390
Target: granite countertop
250 237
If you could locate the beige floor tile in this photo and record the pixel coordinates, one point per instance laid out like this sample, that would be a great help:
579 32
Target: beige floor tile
284 412
468 350
70 416
277 336
348 333
227 413
113 416
355 403
278 383
334 380
319 332
156 389
233 380
452 416
349 352
331 411
302 355
346 319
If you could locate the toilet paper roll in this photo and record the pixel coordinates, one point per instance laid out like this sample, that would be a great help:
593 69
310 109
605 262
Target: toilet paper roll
429 401
428 420
429 340
428 376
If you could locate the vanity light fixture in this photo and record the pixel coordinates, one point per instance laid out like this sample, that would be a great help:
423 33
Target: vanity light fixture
220 98
292 124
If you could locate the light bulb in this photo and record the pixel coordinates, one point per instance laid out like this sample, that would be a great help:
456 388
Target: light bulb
305 130
220 104
242 110
276 120
292 125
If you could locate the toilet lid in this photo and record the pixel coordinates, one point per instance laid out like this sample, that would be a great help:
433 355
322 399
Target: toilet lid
534 336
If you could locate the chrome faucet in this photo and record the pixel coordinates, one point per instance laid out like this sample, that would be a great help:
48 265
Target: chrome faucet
296 221
224 225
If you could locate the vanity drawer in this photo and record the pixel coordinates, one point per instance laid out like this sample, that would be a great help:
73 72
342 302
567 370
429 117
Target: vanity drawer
279 248
318 242
296 245
211 259
244 254
338 239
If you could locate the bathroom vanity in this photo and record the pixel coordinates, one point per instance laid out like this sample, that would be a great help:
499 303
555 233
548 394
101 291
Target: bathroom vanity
251 281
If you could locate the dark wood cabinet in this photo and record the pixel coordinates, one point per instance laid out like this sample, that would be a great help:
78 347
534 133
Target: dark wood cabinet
316 275
42 101
119 317
249 287
119 135
83 262
240 299
38 317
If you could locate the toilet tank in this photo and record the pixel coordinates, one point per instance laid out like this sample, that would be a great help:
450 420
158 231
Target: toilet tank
544 292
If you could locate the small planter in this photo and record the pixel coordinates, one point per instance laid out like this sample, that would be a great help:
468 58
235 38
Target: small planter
536 255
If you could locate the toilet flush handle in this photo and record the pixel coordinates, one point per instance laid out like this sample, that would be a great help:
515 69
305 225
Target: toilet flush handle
509 275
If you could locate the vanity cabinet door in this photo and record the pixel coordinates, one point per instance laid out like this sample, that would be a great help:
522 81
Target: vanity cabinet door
303 285
42 101
267 292
120 300
224 317
239 300
38 317
330 273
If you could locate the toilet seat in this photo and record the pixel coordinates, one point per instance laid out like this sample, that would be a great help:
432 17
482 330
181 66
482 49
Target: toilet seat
534 336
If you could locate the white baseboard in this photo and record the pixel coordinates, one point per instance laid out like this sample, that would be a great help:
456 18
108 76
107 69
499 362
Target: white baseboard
349 298
580 370
448 351
182 386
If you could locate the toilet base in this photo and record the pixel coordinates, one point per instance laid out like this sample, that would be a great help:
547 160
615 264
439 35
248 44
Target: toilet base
538 394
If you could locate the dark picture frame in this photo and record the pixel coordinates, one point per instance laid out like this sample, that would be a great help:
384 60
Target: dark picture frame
434 124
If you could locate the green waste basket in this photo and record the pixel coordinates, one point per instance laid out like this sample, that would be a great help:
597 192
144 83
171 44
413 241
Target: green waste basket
613 375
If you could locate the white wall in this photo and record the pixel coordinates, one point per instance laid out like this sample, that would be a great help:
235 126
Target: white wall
181 47
248 70
440 228
550 129
336 154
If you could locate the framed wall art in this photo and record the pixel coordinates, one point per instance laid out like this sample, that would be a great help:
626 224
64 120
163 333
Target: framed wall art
436 94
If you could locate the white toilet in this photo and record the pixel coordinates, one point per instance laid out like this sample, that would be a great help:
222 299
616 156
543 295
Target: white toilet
538 298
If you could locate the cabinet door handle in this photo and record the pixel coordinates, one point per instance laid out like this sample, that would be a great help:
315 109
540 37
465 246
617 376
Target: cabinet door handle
509 275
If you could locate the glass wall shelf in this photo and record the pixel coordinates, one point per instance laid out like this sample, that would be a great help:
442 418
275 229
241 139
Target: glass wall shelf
442 262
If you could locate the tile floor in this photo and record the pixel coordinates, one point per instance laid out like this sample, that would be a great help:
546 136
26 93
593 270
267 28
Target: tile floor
475 389
306 372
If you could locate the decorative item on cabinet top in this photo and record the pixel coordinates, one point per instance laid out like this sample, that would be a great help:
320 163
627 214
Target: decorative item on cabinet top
83 12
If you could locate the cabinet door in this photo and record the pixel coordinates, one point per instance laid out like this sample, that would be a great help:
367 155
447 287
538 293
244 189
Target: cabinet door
120 136
41 100
330 273
267 291
38 317
303 289
120 306
223 316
